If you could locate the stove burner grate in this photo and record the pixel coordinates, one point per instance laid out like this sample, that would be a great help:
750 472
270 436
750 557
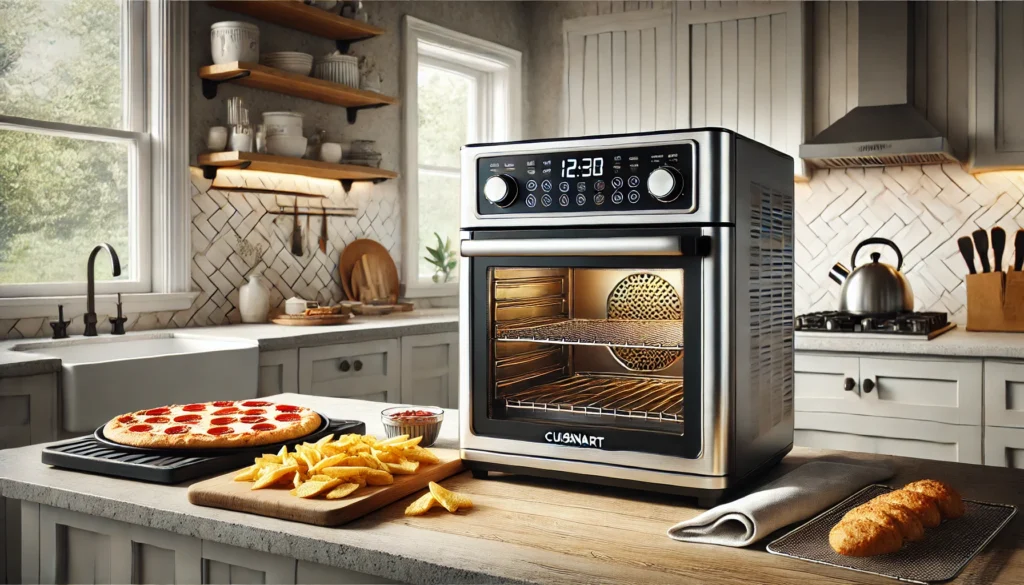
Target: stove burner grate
921 324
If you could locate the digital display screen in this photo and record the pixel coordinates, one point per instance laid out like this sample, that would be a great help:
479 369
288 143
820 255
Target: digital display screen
573 168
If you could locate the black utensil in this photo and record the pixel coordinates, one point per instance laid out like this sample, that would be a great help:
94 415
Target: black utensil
296 233
981 245
967 251
998 245
1018 250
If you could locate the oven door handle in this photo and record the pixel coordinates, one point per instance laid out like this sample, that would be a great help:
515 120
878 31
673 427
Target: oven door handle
643 246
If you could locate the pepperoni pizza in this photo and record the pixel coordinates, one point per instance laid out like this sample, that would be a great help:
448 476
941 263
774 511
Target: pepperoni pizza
243 423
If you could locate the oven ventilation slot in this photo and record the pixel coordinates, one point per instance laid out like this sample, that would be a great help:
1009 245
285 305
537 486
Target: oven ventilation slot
652 399
607 332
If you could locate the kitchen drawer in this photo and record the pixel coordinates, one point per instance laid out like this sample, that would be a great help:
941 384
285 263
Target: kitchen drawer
1004 447
947 391
368 371
888 436
1004 394
825 382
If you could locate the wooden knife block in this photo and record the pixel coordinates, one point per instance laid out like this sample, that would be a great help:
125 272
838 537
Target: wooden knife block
995 301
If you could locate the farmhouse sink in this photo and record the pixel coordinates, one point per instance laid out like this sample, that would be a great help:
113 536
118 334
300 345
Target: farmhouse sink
103 377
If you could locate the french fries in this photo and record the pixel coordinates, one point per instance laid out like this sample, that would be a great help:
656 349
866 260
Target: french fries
438 495
337 468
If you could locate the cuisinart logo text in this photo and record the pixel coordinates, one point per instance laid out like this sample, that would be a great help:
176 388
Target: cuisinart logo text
578 439
874 147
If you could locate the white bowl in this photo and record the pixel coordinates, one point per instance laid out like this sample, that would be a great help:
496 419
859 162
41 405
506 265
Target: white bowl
282 145
286 123
291 61
234 41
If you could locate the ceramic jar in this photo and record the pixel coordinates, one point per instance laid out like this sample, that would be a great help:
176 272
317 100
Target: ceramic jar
254 301
234 41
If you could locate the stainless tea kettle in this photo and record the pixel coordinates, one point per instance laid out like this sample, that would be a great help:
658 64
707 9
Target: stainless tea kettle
874 287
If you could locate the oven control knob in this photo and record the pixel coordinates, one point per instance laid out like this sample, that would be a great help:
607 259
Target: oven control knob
501 190
665 184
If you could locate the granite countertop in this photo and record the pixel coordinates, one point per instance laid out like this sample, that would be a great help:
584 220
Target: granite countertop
270 337
956 343
519 530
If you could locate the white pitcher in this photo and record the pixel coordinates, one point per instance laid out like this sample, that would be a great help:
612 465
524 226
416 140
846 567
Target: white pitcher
254 301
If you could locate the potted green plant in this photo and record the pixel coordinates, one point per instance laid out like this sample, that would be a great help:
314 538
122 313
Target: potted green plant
442 258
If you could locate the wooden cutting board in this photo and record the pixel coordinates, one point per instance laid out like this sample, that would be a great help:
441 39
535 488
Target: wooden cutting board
222 492
351 257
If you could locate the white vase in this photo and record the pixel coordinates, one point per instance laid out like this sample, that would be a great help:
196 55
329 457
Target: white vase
254 301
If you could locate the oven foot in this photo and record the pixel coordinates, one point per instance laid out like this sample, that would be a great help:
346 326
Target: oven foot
479 473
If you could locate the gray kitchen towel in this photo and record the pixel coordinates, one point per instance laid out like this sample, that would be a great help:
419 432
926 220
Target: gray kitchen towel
796 496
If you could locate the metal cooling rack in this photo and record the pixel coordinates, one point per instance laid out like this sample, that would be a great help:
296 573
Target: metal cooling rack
632 397
940 556
606 332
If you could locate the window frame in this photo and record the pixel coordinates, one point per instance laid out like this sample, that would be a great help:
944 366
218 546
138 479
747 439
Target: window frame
498 73
155 117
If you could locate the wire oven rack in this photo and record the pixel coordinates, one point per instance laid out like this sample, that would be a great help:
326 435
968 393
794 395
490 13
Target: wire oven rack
653 399
641 334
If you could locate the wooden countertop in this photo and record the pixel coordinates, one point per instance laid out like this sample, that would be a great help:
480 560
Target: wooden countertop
520 530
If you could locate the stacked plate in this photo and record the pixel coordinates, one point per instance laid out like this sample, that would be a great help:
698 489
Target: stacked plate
290 61
343 69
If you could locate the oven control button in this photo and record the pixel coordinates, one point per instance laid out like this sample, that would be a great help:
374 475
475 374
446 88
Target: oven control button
546 200
563 200
545 185
581 199
664 184
531 200
634 181
531 185
617 196
581 186
599 199
634 196
599 185
501 190
563 186
617 183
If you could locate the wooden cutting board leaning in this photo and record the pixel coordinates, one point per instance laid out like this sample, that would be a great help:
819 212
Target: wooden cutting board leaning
223 492
384 271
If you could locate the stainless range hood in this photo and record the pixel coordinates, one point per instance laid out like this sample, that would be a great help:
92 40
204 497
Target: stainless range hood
885 128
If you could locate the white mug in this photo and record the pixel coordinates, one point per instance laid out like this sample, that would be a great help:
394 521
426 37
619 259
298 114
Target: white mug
330 152
217 138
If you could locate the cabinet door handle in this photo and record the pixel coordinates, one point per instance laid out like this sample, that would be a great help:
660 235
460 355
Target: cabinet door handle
345 366
849 384
868 385
358 364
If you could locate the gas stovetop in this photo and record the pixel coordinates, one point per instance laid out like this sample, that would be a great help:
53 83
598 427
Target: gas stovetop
914 325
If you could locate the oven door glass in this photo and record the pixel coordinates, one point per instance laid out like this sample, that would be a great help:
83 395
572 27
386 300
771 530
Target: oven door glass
599 351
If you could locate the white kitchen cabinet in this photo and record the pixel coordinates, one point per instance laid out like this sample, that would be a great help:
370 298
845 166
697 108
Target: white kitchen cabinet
279 372
998 88
222 563
1004 447
1004 394
939 390
430 370
889 436
369 370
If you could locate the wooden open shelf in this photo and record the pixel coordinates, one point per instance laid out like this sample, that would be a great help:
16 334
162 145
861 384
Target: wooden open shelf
270 79
294 166
296 15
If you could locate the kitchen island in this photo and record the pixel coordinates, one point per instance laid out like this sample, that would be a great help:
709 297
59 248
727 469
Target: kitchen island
520 530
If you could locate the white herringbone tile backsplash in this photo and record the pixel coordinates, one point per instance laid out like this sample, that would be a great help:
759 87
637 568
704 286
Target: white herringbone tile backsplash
923 209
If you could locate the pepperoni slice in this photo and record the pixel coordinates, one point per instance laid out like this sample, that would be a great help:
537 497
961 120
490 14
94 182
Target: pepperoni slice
224 411
224 420
251 420
263 427
140 428
255 403
194 407
288 408
221 431
288 417
158 411
126 419
188 419
157 420
254 411
176 430
221 403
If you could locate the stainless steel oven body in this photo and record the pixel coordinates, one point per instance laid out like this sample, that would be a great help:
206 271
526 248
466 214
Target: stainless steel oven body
627 309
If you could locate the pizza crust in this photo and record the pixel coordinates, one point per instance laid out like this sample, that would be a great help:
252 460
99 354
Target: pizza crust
197 436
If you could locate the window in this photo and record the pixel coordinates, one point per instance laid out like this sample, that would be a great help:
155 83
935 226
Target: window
78 107
458 90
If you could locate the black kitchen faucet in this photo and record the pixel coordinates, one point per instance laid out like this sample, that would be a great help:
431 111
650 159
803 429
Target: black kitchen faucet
90 302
